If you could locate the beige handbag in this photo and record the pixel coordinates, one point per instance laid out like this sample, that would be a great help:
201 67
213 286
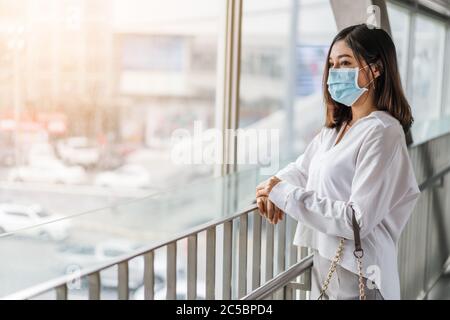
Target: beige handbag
358 253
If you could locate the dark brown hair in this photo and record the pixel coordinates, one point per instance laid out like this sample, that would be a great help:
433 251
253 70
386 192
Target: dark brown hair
373 46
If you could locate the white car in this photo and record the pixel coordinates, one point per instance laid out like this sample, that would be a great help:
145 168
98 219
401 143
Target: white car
85 255
132 176
39 152
78 151
48 170
14 217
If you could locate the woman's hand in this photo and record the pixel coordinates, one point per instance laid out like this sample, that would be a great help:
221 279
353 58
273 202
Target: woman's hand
266 207
269 210
261 201
263 189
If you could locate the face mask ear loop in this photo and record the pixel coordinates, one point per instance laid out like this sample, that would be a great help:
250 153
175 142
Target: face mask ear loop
365 87
357 76
356 84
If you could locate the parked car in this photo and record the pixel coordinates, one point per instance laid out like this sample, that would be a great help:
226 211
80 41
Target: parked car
39 152
7 156
78 151
110 159
7 149
88 254
126 176
48 170
15 216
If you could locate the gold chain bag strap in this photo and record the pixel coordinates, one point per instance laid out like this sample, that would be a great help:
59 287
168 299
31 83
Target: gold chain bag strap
358 253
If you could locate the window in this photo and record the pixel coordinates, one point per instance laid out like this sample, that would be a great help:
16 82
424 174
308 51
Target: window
121 75
265 27
427 68
316 30
399 19
281 72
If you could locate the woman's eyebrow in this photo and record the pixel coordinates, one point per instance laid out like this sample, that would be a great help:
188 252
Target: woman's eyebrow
344 55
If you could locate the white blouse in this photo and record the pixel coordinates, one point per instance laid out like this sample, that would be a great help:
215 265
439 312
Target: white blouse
370 171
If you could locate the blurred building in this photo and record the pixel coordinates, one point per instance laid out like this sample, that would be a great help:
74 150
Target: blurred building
57 62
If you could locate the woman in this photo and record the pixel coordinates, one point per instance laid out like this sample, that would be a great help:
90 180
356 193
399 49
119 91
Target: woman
357 165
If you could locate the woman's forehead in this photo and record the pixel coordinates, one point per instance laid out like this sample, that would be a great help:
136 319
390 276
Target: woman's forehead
340 49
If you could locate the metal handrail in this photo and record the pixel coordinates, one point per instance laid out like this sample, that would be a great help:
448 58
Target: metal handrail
431 180
60 281
281 279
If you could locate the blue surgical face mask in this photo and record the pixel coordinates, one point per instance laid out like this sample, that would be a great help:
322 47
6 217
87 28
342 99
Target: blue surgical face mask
343 85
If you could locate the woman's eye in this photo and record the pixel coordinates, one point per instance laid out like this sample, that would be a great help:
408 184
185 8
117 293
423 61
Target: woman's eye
345 63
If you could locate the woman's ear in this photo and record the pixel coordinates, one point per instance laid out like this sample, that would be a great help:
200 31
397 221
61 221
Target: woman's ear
377 69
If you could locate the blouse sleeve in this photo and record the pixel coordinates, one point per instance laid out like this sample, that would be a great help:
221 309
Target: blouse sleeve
383 180
296 172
